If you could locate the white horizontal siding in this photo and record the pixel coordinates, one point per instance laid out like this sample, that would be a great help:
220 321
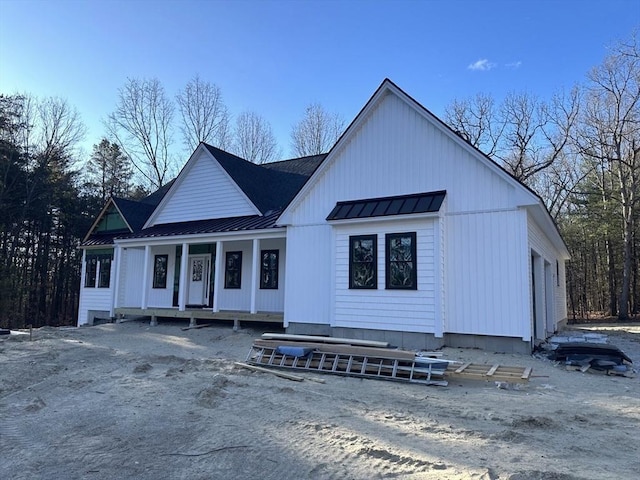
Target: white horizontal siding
487 292
93 298
308 290
397 151
400 310
203 191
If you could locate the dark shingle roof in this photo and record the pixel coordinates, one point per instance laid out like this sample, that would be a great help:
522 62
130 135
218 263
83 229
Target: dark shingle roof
269 186
135 212
384 206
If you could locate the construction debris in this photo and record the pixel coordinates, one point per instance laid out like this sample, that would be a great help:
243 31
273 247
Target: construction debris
366 359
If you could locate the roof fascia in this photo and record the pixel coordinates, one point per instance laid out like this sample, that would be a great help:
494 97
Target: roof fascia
202 238
101 214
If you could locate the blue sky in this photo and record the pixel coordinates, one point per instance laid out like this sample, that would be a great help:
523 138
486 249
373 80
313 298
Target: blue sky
276 57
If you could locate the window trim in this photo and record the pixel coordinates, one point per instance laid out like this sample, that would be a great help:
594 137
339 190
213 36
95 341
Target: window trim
227 283
160 281
374 262
276 271
414 272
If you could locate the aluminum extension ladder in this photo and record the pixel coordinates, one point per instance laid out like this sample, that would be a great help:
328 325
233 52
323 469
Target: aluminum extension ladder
424 371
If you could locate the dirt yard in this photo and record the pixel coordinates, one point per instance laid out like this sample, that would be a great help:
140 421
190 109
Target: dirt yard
127 400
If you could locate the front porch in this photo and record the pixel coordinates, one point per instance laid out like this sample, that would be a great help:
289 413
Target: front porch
195 314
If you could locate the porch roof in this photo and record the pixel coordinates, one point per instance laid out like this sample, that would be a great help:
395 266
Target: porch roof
214 225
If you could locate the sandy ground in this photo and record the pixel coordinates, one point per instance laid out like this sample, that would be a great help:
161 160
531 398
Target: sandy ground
127 400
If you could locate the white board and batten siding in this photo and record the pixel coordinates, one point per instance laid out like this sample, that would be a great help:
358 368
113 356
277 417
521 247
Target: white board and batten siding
131 271
272 300
161 297
539 243
202 191
382 309
486 292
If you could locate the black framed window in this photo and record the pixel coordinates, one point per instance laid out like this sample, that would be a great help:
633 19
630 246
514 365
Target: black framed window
401 261
105 272
269 269
233 270
90 272
363 262
160 264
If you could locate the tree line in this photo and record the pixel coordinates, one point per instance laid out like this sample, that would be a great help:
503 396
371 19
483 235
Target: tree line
579 150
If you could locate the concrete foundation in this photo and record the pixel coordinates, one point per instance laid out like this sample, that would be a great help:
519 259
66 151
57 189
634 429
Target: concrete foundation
416 341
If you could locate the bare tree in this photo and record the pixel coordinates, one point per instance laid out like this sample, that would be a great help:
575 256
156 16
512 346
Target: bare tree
205 117
477 121
61 127
254 139
141 126
317 131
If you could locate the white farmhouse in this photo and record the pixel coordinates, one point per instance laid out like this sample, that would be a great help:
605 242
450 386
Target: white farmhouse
403 232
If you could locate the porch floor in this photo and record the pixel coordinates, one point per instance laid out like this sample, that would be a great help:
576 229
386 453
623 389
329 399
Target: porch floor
203 314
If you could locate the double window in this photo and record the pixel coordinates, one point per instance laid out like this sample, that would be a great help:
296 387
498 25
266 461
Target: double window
97 270
400 261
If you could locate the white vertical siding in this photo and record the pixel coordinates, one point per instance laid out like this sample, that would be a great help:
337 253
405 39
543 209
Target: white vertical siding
539 242
131 270
204 191
382 309
395 152
487 292
308 290
273 300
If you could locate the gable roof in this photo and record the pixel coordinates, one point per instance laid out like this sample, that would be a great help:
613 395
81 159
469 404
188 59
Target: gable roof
527 197
269 186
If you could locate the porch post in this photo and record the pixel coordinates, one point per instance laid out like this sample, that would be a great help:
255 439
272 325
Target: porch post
145 277
182 286
255 273
117 252
217 279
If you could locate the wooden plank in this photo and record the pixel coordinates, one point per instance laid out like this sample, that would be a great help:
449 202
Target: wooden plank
462 368
313 338
527 373
492 370
288 376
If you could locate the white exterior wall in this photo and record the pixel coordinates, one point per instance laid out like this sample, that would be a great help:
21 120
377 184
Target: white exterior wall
131 271
308 291
237 298
397 151
543 247
93 298
486 272
161 297
272 300
382 309
204 191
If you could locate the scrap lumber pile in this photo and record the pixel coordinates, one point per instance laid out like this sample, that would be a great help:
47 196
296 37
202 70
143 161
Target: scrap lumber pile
369 359
348 357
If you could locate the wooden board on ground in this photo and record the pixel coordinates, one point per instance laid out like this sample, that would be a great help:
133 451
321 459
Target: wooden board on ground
313 338
490 372
339 348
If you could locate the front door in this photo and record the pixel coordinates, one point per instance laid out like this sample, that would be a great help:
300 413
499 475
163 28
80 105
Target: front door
198 284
